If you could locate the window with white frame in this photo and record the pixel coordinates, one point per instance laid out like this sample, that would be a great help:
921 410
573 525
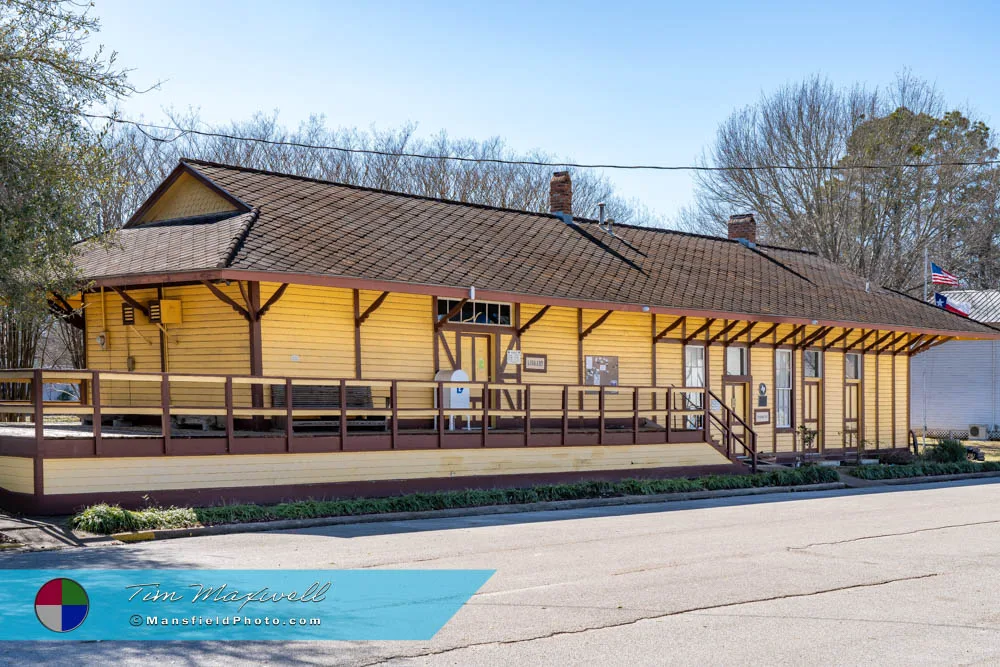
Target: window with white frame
694 376
852 366
812 364
736 361
783 388
475 312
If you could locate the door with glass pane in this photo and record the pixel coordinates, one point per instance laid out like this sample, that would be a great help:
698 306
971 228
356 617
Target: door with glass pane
852 400
694 376
812 400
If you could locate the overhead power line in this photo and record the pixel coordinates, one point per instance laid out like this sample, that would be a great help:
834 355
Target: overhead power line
181 132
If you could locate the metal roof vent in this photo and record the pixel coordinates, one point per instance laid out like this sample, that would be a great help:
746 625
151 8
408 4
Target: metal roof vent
607 224
747 243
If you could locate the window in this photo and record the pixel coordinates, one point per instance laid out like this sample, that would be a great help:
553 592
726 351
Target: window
694 376
812 364
736 361
475 312
852 366
694 366
783 388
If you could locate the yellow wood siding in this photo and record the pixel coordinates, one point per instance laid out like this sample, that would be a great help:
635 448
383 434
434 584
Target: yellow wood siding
626 336
212 338
902 429
309 332
761 360
187 197
885 426
397 342
64 476
834 389
140 341
17 474
555 335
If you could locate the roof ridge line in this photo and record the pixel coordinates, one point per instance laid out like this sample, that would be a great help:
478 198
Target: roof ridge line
237 241
455 202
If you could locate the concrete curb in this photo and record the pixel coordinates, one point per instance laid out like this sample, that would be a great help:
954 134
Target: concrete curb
292 524
938 478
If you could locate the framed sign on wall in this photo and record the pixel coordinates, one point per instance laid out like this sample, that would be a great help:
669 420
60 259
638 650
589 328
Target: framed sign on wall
536 363
761 416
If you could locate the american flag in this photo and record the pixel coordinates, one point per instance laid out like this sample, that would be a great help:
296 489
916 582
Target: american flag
941 277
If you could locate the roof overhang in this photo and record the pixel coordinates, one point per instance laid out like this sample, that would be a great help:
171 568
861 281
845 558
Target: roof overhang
141 280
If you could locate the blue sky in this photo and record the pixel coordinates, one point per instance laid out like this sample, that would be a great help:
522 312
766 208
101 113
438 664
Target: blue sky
626 82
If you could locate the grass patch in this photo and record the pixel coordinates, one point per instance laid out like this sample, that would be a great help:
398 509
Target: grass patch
106 519
924 469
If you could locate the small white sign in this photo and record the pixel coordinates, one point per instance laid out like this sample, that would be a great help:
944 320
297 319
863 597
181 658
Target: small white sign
295 357
513 357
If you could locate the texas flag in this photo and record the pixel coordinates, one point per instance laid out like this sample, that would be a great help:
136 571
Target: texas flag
941 277
958 307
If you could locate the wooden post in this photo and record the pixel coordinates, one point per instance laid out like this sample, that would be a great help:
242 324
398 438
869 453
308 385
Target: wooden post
600 417
440 419
565 414
670 402
729 433
165 407
486 411
527 415
394 406
343 414
635 415
289 424
38 401
95 403
706 427
230 420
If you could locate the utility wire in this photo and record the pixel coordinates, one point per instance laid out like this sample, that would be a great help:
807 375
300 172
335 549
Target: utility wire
142 127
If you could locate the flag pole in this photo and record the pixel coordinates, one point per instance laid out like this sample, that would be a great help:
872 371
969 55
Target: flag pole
926 261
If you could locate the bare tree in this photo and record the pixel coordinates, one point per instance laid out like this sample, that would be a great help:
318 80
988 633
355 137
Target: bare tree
843 190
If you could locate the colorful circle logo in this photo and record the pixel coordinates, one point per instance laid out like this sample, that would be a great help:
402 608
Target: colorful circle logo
61 605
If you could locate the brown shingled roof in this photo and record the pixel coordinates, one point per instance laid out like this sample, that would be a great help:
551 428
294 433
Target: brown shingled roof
306 226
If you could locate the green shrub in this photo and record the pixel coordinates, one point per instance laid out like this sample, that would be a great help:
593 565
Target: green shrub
896 457
924 469
107 519
946 451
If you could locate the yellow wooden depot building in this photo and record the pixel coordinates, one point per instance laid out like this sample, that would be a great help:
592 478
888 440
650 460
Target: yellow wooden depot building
260 336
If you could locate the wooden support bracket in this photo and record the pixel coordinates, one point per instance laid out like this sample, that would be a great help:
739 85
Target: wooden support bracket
795 332
700 330
372 308
451 313
130 301
770 330
814 336
663 334
534 318
226 299
598 322
847 332
858 342
278 293
726 329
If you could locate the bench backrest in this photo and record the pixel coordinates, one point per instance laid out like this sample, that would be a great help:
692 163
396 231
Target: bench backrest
319 396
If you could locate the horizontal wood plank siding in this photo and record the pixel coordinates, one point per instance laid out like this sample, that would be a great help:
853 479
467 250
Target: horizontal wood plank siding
17 474
68 476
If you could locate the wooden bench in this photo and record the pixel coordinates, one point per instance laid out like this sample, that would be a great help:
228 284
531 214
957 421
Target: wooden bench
319 397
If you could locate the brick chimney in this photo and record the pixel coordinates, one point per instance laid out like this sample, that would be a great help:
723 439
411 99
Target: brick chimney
743 227
561 193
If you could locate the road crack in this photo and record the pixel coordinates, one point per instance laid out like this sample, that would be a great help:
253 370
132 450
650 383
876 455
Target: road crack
883 535
679 612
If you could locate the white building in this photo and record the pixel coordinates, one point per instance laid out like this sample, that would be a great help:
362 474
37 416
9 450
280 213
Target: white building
956 385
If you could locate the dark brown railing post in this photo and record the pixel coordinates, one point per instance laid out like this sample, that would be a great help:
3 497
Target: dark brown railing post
565 414
95 404
230 419
527 416
440 419
600 416
669 417
38 406
165 409
486 412
729 432
753 439
394 406
343 414
635 415
289 421
707 426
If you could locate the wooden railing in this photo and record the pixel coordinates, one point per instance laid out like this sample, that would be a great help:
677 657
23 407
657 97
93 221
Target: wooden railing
646 413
